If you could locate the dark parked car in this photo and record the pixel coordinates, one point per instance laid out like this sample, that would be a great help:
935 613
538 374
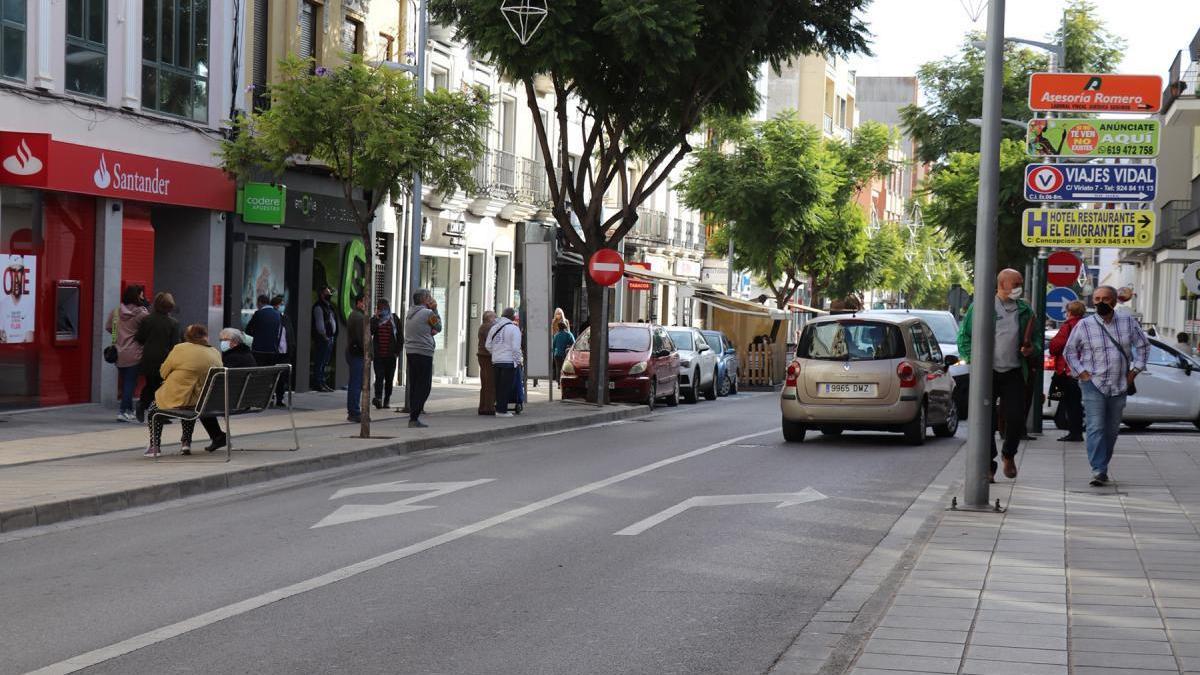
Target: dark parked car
642 365
727 361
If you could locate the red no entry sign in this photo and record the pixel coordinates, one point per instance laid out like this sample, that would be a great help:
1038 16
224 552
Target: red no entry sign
1062 268
606 267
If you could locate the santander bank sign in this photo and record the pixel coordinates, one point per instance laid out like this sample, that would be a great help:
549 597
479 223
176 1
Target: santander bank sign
68 167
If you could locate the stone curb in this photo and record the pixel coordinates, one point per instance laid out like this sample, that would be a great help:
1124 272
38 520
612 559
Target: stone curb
70 509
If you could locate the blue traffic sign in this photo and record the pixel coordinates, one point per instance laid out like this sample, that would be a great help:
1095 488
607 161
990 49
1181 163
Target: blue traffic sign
1090 182
1057 300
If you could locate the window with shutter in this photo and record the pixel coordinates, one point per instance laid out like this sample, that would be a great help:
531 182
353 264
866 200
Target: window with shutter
351 31
259 72
308 33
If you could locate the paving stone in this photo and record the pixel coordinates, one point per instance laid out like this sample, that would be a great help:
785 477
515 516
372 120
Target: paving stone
1120 646
1105 633
967 613
985 667
925 664
1016 628
940 649
910 600
923 622
877 671
1115 621
956 636
1051 618
1015 653
1112 660
984 638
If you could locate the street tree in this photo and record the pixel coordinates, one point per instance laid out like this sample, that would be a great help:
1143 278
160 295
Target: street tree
637 77
785 195
367 127
954 95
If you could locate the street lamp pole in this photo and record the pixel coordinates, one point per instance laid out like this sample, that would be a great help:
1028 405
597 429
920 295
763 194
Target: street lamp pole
414 257
979 411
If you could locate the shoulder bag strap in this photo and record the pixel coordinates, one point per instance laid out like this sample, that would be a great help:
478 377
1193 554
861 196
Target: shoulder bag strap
1124 354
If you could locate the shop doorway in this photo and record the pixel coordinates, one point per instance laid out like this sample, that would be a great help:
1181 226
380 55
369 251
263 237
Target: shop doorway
502 282
441 276
475 309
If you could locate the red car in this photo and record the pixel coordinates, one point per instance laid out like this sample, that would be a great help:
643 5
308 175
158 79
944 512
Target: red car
642 365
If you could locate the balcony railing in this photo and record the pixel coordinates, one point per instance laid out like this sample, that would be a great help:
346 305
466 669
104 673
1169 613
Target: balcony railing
651 226
496 174
1170 234
532 185
827 124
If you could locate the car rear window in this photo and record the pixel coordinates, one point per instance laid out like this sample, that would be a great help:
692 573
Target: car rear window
620 339
852 340
681 338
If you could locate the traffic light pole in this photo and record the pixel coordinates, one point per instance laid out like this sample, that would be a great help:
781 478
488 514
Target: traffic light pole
983 328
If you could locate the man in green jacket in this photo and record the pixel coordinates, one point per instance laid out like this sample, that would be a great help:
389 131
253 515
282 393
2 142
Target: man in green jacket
1018 340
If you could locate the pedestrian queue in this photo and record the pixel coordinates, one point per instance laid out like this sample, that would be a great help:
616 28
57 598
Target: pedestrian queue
125 352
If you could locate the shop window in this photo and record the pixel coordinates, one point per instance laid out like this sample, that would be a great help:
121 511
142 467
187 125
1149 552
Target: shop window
351 36
86 53
175 57
12 39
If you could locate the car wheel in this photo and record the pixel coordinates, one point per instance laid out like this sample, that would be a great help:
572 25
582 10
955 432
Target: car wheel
831 431
914 431
793 432
673 399
693 392
726 386
711 394
653 397
950 427
1138 426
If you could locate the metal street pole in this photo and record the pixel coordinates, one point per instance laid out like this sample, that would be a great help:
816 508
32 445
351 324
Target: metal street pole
729 277
983 337
414 259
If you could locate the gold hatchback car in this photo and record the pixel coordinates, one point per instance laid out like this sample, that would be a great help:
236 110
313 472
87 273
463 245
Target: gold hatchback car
869 372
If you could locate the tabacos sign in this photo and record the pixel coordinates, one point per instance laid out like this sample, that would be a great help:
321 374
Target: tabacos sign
262 203
36 160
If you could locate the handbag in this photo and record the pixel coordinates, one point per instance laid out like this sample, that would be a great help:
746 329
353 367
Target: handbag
1131 389
1056 388
110 352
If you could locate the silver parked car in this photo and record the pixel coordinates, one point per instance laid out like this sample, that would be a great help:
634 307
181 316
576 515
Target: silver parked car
697 363
874 372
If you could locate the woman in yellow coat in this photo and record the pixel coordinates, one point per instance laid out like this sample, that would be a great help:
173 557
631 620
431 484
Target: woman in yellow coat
183 375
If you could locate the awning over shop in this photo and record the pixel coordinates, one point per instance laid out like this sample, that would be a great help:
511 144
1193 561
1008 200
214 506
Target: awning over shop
656 277
737 305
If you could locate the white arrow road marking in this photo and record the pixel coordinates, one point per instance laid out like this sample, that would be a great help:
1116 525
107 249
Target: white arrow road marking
164 633
784 499
352 512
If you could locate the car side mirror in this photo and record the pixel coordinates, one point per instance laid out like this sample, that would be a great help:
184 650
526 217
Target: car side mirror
950 360
704 348
730 351
662 353
1186 365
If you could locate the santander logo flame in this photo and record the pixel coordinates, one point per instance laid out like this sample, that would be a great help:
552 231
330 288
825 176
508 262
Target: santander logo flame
23 163
102 177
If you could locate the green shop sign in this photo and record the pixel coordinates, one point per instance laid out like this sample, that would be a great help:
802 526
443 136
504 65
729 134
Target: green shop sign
354 276
262 203
1088 137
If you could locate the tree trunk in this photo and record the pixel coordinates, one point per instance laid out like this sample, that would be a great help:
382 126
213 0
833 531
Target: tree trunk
364 403
597 390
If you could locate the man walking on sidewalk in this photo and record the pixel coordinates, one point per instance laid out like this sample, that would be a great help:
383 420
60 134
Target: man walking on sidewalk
1017 339
421 324
1105 352
1072 401
355 355
487 385
504 344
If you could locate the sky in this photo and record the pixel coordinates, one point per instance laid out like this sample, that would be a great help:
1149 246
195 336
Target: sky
908 33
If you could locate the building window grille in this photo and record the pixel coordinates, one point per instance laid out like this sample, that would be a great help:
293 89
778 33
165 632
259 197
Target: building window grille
175 57
12 39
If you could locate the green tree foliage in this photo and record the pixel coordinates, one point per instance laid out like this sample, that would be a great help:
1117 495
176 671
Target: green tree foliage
919 265
954 92
786 195
641 75
368 128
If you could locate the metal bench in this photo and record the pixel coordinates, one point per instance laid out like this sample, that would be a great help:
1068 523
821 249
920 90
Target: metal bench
236 391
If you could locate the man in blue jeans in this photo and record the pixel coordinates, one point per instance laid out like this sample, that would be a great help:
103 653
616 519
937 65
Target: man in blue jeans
356 330
1105 352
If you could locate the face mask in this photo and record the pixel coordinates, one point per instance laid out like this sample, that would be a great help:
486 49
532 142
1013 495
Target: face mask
279 309
1104 309
1015 293
225 345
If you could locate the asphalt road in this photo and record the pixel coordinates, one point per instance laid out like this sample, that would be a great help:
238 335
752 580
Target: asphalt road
514 567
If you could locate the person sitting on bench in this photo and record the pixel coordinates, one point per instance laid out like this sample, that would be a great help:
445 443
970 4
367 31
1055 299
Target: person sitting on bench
235 353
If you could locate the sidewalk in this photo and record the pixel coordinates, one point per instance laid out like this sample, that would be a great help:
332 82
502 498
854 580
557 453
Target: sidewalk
1071 579
47 476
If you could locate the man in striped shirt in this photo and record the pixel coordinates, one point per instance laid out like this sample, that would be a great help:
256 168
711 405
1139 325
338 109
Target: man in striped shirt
1105 352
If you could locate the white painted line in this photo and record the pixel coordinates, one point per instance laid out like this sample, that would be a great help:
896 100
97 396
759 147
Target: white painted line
606 267
1061 269
784 498
153 637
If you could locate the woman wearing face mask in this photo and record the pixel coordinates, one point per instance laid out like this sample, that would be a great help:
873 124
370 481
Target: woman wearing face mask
235 353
